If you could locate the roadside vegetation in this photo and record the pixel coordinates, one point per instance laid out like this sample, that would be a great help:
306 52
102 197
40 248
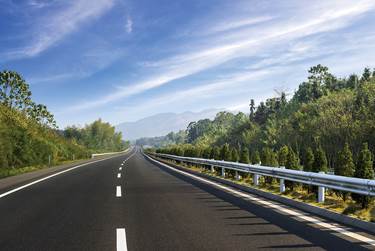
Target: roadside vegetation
30 139
327 125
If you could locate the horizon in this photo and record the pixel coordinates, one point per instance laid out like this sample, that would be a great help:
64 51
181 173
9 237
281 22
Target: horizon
126 60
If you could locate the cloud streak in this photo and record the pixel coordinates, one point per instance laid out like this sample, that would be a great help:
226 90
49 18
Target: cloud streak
245 43
53 28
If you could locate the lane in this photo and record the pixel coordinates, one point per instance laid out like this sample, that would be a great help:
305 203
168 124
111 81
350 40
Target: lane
77 210
165 210
129 203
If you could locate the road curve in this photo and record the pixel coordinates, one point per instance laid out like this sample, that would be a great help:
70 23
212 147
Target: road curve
129 203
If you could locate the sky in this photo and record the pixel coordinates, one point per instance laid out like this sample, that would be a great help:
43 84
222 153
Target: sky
122 60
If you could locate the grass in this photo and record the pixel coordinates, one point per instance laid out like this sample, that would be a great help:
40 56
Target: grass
332 202
8 172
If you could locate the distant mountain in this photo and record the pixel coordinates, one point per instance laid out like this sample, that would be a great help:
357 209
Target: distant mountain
162 123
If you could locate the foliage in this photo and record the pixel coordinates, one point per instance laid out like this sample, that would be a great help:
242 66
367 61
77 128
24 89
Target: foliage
16 95
364 170
323 124
320 161
97 136
28 135
244 158
234 155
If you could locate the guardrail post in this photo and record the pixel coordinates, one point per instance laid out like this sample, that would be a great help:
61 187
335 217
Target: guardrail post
256 179
223 172
238 177
282 182
321 193
212 169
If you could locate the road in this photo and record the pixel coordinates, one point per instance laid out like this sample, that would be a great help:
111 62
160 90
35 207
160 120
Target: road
129 203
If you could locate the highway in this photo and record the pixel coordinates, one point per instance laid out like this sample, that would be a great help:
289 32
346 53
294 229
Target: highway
128 202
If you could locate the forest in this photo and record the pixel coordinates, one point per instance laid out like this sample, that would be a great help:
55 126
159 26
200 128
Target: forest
30 138
328 125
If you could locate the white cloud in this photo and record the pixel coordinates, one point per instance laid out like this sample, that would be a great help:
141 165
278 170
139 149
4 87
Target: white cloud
320 19
54 27
129 25
236 24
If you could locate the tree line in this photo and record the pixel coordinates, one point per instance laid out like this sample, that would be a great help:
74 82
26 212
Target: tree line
29 135
327 125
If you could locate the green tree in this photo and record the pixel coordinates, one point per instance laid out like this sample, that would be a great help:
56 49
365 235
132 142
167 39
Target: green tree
320 161
309 160
283 155
234 155
244 158
345 167
215 153
364 170
15 94
292 162
255 157
225 153
268 157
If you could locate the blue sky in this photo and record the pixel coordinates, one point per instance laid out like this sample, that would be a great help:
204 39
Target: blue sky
122 60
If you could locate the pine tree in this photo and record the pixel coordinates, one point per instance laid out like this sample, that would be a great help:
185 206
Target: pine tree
345 165
309 160
364 170
255 158
234 155
225 153
320 161
215 153
244 158
283 155
268 157
292 162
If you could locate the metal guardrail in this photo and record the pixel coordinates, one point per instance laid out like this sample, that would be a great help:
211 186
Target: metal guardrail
322 180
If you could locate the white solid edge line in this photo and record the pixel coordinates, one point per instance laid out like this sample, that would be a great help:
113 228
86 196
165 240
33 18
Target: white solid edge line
121 240
119 175
278 207
118 191
48 177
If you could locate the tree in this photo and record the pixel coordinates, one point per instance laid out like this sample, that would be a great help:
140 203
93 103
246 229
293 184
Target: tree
283 155
364 170
244 158
252 109
292 162
234 155
345 167
206 152
225 153
366 75
320 161
268 157
15 94
215 153
309 160
14 91
255 158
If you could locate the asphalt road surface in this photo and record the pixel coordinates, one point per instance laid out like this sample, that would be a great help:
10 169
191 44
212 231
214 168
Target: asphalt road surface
130 203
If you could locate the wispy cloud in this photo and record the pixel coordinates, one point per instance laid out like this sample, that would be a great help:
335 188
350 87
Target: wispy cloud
54 27
245 44
129 24
229 25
